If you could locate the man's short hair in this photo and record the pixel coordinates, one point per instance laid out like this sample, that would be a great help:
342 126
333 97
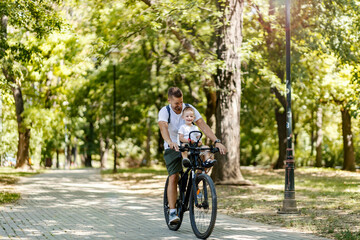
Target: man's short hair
175 92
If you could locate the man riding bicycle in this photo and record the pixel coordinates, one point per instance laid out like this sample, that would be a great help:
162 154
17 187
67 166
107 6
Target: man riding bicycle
170 120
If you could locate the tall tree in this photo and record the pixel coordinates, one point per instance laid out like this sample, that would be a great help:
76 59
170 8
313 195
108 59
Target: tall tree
341 26
270 16
37 17
274 42
348 140
319 137
227 78
228 83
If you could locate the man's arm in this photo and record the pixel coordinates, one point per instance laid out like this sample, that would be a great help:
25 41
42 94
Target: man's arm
209 133
166 136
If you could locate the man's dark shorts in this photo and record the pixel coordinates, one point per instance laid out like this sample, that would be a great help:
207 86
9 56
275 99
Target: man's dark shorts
173 161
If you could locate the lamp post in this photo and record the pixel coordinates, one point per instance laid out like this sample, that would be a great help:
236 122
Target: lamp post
289 203
114 53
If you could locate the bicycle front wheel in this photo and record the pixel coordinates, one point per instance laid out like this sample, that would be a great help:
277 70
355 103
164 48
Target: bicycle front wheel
203 216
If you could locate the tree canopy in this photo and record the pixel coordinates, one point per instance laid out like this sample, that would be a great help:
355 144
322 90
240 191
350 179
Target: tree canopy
56 55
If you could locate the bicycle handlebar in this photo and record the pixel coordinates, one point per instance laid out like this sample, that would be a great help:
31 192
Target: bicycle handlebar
187 148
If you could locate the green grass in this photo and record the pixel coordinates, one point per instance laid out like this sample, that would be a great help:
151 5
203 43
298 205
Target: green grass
8 197
8 178
328 200
347 235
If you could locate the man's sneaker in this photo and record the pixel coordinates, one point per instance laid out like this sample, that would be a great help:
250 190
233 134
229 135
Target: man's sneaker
186 162
173 219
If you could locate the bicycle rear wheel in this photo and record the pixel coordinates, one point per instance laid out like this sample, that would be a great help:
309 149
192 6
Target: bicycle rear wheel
203 216
173 227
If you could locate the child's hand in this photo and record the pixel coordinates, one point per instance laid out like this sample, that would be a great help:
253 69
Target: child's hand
200 143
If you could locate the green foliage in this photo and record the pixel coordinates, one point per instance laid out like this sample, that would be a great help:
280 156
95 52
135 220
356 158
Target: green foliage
8 125
36 17
59 53
322 76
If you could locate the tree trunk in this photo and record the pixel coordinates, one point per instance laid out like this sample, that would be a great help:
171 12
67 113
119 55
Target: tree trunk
228 83
88 160
22 160
280 112
89 145
3 35
211 103
73 155
74 151
104 151
24 132
312 135
57 159
349 155
319 138
147 157
68 155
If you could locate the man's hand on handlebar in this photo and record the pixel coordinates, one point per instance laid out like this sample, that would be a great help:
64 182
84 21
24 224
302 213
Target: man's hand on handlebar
174 146
222 148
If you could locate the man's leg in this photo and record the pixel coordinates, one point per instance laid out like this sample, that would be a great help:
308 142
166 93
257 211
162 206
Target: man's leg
172 195
173 165
184 155
172 190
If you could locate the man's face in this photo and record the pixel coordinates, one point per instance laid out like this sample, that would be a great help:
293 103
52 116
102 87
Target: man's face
176 104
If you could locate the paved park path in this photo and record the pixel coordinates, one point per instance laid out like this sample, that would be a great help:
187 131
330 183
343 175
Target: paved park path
77 204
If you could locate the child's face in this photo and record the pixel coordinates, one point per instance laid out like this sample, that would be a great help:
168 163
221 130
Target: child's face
188 117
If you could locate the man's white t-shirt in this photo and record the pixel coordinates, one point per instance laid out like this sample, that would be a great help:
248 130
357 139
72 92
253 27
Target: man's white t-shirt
176 121
186 129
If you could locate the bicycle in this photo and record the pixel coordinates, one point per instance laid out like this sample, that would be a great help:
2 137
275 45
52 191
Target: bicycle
196 193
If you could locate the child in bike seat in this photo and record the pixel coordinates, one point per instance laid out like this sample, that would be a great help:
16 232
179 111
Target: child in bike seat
189 115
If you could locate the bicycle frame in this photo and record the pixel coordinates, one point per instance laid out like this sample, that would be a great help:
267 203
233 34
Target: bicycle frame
189 181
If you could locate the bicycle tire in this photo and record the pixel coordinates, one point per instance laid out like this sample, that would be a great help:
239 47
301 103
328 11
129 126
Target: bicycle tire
202 227
173 227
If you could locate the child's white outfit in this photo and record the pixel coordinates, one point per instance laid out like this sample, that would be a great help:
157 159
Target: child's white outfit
186 129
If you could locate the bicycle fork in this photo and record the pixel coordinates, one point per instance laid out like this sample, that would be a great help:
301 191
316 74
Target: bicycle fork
194 188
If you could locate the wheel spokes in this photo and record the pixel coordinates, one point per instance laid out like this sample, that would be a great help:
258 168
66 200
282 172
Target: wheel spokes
202 212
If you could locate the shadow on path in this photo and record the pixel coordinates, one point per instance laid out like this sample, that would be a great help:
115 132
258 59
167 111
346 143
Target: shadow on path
77 204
